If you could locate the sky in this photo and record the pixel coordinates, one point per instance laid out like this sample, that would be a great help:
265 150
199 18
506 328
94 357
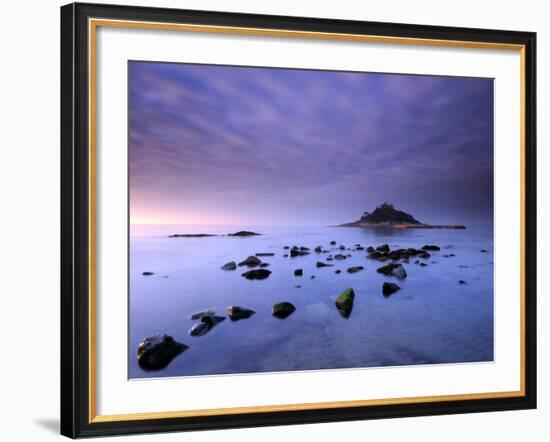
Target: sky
263 146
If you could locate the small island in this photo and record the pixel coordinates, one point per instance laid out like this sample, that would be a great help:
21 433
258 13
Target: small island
385 215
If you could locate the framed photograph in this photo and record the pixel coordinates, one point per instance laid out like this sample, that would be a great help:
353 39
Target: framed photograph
274 220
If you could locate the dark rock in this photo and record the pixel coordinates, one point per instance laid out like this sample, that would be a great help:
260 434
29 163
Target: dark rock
264 264
431 248
341 247
235 312
306 249
389 288
462 281
338 272
424 255
358 248
229 266
147 273
423 264
383 248
355 269
380 256
206 324
156 352
396 270
257 274
251 261
312 277
322 264
286 247
399 254
370 249
298 286
190 235
295 251
200 315
285 255
344 302
333 243
244 233
282 310
483 251
298 272
318 249
330 259
339 256
265 254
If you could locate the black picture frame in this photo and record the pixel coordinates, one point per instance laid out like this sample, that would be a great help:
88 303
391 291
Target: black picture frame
75 221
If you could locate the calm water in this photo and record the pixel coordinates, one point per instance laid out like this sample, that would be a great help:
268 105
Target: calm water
433 319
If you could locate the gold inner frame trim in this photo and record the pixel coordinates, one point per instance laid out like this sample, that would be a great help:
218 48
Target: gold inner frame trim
93 24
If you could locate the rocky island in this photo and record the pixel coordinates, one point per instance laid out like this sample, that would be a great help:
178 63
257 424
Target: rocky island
385 215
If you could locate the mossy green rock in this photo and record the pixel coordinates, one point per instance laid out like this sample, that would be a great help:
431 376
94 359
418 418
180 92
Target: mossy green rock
344 303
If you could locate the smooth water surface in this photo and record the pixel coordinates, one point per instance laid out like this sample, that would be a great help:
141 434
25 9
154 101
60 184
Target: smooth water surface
432 319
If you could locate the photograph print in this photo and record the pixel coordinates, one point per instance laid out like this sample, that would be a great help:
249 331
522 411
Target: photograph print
291 219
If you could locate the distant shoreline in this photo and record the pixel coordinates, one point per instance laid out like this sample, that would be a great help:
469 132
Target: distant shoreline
402 226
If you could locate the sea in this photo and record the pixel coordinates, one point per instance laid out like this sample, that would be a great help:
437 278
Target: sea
433 319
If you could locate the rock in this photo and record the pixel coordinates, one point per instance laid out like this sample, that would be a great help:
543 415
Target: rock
285 255
431 248
377 255
156 352
264 264
295 251
199 315
483 251
330 259
355 269
286 247
244 233
423 264
322 264
383 248
339 256
338 272
344 302
318 249
298 272
282 310
147 273
235 312
298 286
341 247
358 248
251 261
370 249
257 274
405 260
462 281
265 254
333 243
190 235
312 277
304 249
206 324
229 266
396 270
199 329
424 255
389 288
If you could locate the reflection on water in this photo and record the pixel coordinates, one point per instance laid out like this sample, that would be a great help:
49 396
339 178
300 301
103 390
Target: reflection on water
432 319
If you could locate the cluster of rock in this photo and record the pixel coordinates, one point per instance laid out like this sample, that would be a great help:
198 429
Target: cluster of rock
156 352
